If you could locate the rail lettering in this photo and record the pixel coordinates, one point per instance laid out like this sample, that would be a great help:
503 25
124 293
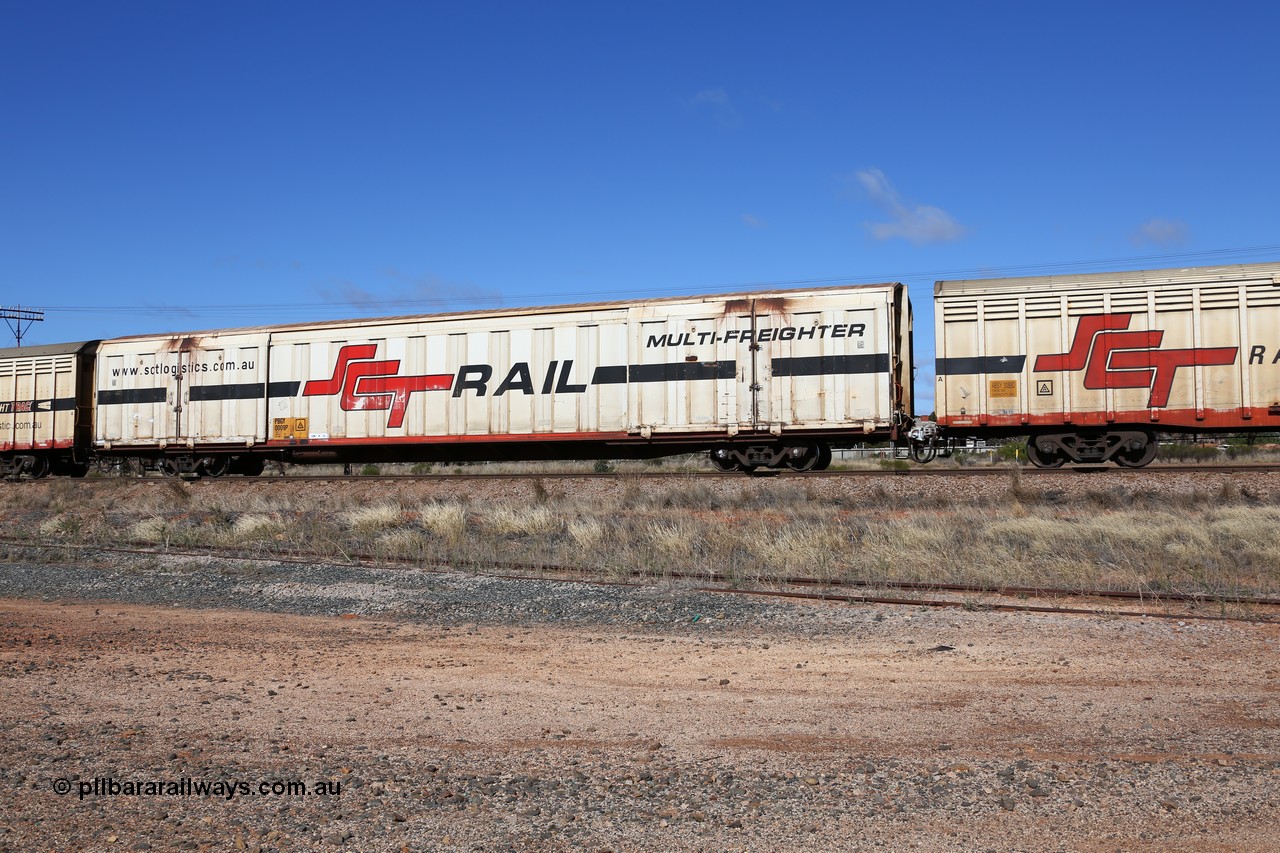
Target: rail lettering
1258 355
475 377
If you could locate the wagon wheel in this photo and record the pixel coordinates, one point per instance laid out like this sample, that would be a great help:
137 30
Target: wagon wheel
1042 459
168 467
216 466
725 465
810 461
39 468
1137 458
824 458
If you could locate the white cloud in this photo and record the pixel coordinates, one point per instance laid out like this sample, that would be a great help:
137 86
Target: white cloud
426 292
715 97
350 293
719 105
920 224
1161 232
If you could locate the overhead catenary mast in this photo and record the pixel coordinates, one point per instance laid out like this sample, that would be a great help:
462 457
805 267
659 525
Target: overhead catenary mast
17 316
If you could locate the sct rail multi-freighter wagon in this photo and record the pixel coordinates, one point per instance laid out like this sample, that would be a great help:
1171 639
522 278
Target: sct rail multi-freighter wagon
46 409
1091 367
759 380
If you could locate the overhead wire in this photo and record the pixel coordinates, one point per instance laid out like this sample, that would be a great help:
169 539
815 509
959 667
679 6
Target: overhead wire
445 300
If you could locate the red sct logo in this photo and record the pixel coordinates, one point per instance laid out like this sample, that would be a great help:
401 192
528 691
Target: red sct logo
370 385
1112 357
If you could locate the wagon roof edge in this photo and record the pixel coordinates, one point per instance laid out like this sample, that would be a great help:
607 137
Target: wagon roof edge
1171 275
512 312
47 349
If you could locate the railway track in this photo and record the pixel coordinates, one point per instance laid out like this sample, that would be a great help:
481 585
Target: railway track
912 471
1188 606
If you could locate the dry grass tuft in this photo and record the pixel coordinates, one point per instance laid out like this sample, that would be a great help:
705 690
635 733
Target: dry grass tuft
373 518
586 533
538 520
254 526
673 539
794 550
151 530
58 525
448 521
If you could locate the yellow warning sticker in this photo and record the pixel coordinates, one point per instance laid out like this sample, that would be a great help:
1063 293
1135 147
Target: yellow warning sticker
286 428
1002 388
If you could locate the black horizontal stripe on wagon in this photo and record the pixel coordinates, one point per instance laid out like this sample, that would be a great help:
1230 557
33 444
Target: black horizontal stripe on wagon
980 364
675 371
22 407
826 365
244 391
818 365
126 396
200 393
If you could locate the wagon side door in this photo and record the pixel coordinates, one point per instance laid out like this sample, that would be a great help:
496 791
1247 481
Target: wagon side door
223 387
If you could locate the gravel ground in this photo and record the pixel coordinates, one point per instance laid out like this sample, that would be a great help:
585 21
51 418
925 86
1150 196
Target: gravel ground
471 713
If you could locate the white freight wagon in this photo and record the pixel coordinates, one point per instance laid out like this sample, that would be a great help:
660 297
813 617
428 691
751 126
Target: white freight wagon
186 399
1091 366
766 379
42 409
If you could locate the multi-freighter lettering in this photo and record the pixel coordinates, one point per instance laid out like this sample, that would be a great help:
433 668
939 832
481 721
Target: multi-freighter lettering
759 336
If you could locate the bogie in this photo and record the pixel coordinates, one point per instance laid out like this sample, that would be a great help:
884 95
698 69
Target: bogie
1129 448
774 457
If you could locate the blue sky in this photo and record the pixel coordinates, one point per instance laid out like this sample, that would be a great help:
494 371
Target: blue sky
171 166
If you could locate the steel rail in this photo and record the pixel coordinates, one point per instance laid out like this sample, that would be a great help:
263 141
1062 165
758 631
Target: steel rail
970 605
582 574
297 556
917 471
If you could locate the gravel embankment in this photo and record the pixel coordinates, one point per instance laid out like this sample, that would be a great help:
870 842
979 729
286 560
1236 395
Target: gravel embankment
445 598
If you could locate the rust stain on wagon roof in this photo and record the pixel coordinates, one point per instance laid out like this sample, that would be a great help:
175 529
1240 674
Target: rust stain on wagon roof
764 305
183 344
